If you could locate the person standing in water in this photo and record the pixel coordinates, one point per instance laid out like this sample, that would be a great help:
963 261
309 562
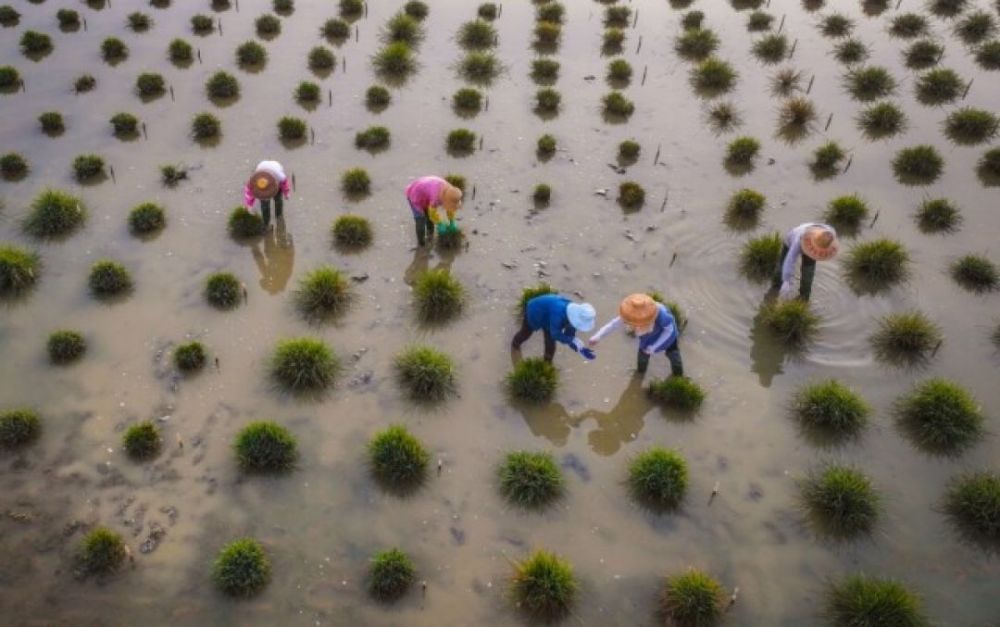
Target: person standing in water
428 195
653 325
267 182
559 319
811 242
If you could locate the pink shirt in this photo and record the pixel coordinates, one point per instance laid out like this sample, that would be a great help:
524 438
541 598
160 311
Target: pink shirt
425 192
274 169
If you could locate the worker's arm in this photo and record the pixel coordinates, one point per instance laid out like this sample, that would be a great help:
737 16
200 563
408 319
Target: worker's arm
788 267
285 188
248 197
614 324
668 334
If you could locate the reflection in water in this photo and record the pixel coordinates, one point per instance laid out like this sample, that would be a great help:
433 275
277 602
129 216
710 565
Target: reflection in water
766 355
276 262
421 262
550 421
622 423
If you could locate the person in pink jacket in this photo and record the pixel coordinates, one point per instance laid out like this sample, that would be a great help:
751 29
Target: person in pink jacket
427 195
267 182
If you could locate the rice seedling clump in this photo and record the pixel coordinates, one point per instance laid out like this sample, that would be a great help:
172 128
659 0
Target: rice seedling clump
792 322
617 104
19 427
531 292
52 123
426 374
831 409
35 44
292 129
19 269
976 27
66 346
109 279
851 51
864 600
241 568
870 83
881 120
939 86
336 29
268 26
13 166
101 552
461 141
243 224
223 290
438 296
321 59
840 502
125 125
713 76
771 48
202 24
403 28
940 417
251 54
323 293
205 126
741 153
142 440
265 447
908 26
836 25
988 167
827 159
918 165
975 273
972 503
677 393
222 86
398 460
180 52
696 44
390 576
658 478
355 182
546 145
352 232
480 67
905 338
533 380
54 213
542 194
692 599
150 85
759 257
416 9
631 195
88 167
969 126
487 11
988 55
190 357
938 215
923 54
846 213
543 586
877 264
304 365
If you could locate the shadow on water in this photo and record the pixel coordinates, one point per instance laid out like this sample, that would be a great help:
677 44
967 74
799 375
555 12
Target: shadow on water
622 423
767 354
277 259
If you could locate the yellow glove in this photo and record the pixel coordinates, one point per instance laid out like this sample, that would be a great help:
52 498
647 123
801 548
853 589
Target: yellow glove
433 215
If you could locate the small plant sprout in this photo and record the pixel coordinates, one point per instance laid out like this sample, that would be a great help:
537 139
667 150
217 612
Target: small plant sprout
628 151
908 26
437 296
631 195
461 141
692 599
171 175
744 208
352 232
125 125
543 586
771 48
467 101
336 30
426 374
180 52
870 83
786 81
612 41
713 77
139 22
619 72
617 106
101 552
65 346
741 154
547 35
881 120
398 460
88 168
530 480
923 54
692 20
142 440
283 7
13 166
391 575
307 93
487 11
840 502
373 139
268 26
723 117
402 28
988 167
9 16
836 25
304 365
541 194
969 126
355 182
245 225
19 269
940 417
617 16
796 115
546 146
544 71
905 339
550 12
190 357
759 257
149 85
658 479
938 215
19 427
827 160
677 393
351 8
146 219
792 322
84 83
918 165
395 60
988 55
547 101
846 214
250 55
939 86
223 290
323 293
292 129
477 35
222 86
416 9
830 411
265 447
54 214
109 279
876 265
241 569
759 21
975 273
10 79
205 126
68 19
480 67
377 98
202 24
321 60
533 380
976 27
972 504
947 8
114 50
35 45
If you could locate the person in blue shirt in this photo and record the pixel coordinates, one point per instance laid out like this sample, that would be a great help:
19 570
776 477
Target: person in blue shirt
559 319
654 326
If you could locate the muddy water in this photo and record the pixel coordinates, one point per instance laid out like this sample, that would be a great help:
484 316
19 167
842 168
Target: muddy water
321 523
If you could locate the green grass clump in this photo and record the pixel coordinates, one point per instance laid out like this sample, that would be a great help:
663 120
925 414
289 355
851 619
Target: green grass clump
612 40
759 257
304 365
546 145
114 50
13 166
377 97
477 35
530 480
53 214
205 126
846 213
550 12
180 52
125 125
150 85
791 321
283 7
713 76
243 224
619 71
544 71
975 273
321 59
190 357
88 167
19 427
9 16
34 43
870 83
531 292
292 129
416 9
771 48
881 120
840 502
355 182
142 440
616 104
437 296
830 409
658 478
923 54
692 20
939 86
836 25
487 11
351 8
741 153
693 599
533 380
547 100
139 22
542 194
352 232
679 393
66 346
938 215
202 24
969 126
395 60
336 29
827 159
402 28
631 195
391 574
988 167
617 16
480 67
744 207
918 165
10 78
265 447
171 174
759 21
398 460
796 114
543 586
241 569
461 141
908 26
223 290
101 552
972 503
988 55
323 293
947 8
547 36
976 27
222 86
863 600
877 265
723 117
267 26
84 83
373 138
940 417
108 279
251 54
467 101
68 19
629 150
19 270
851 51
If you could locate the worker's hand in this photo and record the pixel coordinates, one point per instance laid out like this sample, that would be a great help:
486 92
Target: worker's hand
592 341
588 354
786 290
648 351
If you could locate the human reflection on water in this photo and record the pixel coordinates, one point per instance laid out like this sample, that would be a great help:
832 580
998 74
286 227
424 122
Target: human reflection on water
622 423
421 262
550 421
275 263
767 355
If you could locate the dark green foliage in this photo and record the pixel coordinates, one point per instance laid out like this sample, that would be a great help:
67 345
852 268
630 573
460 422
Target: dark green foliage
836 25
336 30
125 125
541 194
884 119
946 8
533 380
830 409
180 51
34 43
84 83
323 293
142 440
355 182
241 568
461 140
377 97
202 24
373 138
723 117
543 586
940 417
321 59
617 16
972 503
851 51
658 478
68 18
771 48
969 126
744 207
612 39
846 213
530 292
840 502
149 85
146 218
391 574
741 152
547 100
265 447
616 104
437 296
791 321
171 175
190 357
988 166
546 145
307 92
351 8
205 126
477 35
908 25
862 600
619 71
221 5
54 213
267 26
19 270
139 22
292 129
87 167
939 86
251 54
905 339
487 11
395 60
10 78
876 265
222 86
19 427
938 215
678 393
693 599
692 20
923 54
827 159
759 257
13 166
352 232
550 12
988 55
544 71
398 460
304 365
425 373
283 7
870 83
759 21
918 165
631 195
712 77
467 100
101 552
223 290
9 16
108 279
243 224
418 9
402 28
976 27
530 480
480 67
547 35
629 150
796 114
975 273
114 50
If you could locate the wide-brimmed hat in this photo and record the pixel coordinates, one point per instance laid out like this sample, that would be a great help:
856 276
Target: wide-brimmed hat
819 243
582 316
263 185
451 197
638 311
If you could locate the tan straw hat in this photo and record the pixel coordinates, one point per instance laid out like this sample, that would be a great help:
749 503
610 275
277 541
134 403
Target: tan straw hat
819 243
263 185
451 197
638 311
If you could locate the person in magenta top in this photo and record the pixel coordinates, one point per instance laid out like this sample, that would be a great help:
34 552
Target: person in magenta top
427 195
268 181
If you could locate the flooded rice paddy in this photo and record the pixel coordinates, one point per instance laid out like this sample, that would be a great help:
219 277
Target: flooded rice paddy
321 523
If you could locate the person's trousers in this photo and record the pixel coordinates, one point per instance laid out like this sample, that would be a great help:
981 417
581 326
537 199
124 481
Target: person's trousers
265 208
673 354
526 332
808 272
425 229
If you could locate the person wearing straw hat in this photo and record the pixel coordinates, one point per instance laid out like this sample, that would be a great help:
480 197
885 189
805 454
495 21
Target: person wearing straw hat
267 182
653 325
427 196
559 319
812 242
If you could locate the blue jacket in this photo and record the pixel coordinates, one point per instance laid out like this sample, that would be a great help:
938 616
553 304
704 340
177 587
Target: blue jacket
548 312
664 324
